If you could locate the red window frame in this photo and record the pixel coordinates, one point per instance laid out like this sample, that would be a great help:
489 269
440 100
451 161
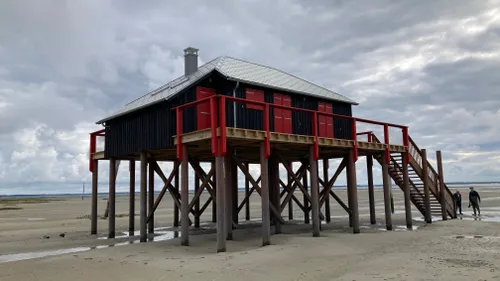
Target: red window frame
254 95
203 108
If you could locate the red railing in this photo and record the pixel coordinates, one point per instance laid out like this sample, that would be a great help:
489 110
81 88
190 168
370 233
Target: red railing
93 146
221 151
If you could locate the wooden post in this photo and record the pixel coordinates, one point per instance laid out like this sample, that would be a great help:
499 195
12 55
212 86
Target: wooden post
221 232
264 186
442 191
371 192
306 201
353 191
406 190
247 191
93 211
313 164
112 198
228 189
234 192
326 166
197 200
214 203
290 205
176 208
143 200
274 192
427 195
184 197
387 193
151 200
131 209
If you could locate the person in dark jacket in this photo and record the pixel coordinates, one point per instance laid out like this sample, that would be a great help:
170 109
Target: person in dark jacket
474 200
458 200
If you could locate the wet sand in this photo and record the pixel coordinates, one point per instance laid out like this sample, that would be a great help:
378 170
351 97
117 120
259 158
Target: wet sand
465 249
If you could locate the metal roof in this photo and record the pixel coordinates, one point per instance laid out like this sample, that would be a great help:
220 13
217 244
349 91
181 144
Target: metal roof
237 70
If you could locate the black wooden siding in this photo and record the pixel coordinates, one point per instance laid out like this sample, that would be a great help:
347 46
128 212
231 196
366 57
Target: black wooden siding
153 127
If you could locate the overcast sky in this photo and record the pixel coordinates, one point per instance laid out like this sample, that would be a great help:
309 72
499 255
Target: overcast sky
433 65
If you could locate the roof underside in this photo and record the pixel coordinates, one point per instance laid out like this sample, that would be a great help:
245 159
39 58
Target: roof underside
236 70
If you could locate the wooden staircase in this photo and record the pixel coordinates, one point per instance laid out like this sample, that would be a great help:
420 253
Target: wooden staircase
416 176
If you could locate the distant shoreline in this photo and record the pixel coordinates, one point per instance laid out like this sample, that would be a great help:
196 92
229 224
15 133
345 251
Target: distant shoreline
87 194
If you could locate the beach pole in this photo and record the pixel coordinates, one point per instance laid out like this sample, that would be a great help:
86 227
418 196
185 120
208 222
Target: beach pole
352 190
131 214
151 198
214 200
176 208
184 197
371 192
219 182
442 193
306 201
387 193
326 166
264 186
406 190
112 198
274 185
234 193
247 191
228 195
290 202
313 164
427 196
197 199
93 211
143 200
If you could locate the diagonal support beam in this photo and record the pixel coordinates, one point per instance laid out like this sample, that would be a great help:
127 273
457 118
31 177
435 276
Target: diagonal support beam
247 197
165 187
327 187
257 187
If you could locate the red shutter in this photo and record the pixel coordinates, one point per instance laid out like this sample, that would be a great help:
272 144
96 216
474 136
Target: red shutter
325 122
203 108
254 95
282 117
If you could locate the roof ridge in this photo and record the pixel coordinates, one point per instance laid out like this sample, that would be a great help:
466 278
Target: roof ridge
284 72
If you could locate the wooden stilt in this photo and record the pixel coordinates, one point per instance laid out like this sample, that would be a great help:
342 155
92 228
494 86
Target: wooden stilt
326 166
247 193
264 194
371 192
131 214
214 201
228 196
387 194
112 198
290 203
221 231
93 211
313 163
406 191
442 191
234 192
184 197
197 200
353 190
151 200
306 201
143 199
349 193
427 195
176 188
274 185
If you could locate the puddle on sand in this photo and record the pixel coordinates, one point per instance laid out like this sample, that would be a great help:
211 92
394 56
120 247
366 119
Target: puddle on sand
159 236
36 219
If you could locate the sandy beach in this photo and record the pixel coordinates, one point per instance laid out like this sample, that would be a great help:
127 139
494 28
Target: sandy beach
51 241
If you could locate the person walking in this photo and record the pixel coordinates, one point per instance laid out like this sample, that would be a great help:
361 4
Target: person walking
458 201
474 200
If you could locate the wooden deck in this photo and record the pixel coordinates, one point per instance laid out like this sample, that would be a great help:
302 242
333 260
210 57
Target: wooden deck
246 144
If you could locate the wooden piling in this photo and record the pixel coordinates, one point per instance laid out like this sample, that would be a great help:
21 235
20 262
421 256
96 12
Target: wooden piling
151 199
247 191
221 232
274 192
306 201
197 200
93 211
228 189
326 166
442 191
177 191
371 191
264 182
112 198
427 195
184 197
143 199
313 164
353 191
131 209
406 191
387 193
289 183
234 192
